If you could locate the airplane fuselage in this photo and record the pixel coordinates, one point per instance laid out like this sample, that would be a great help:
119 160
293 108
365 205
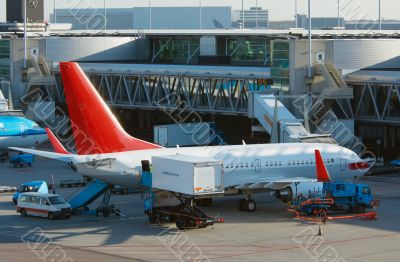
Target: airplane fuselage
242 163
20 132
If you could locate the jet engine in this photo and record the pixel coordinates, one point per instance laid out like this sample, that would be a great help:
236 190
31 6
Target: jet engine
307 189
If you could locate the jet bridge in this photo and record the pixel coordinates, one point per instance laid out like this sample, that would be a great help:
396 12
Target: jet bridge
279 122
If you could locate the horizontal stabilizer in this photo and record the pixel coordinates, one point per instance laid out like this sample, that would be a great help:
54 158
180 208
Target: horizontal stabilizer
51 155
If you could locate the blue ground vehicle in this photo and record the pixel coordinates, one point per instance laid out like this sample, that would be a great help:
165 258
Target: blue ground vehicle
350 197
34 186
337 196
21 160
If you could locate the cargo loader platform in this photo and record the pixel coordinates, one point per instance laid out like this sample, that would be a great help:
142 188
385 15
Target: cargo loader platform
174 184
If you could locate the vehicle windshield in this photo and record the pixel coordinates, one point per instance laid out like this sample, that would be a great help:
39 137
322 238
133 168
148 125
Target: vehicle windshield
57 200
366 190
22 189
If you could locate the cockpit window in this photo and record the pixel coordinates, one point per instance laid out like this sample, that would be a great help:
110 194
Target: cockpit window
1 126
35 126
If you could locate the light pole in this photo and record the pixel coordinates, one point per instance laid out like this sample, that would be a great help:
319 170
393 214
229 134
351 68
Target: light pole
150 14
309 72
380 17
24 3
295 13
338 13
54 12
105 15
242 15
200 7
256 13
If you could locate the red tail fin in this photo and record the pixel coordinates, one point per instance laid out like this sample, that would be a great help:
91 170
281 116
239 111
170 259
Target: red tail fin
58 147
95 128
322 172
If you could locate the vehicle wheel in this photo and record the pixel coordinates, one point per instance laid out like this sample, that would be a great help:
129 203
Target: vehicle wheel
23 213
125 191
105 214
117 212
250 205
361 209
152 218
51 216
180 224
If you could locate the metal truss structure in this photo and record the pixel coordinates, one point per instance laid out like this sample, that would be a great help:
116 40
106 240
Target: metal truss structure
207 94
377 102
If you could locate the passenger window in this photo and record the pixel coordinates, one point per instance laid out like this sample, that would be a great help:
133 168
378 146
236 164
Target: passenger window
241 164
332 160
307 162
280 163
271 163
276 163
246 165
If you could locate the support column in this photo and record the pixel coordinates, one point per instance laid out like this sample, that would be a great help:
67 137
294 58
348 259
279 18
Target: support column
393 136
385 137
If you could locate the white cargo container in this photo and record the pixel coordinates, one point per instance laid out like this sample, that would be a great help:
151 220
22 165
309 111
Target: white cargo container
188 175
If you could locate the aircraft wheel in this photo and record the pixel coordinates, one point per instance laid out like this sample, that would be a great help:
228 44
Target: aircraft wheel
250 205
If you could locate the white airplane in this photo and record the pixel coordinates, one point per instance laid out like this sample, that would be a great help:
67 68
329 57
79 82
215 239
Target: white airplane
106 152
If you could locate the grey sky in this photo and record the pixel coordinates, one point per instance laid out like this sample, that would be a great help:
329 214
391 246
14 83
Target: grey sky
279 9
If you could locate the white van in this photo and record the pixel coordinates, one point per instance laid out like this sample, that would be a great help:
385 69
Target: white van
43 205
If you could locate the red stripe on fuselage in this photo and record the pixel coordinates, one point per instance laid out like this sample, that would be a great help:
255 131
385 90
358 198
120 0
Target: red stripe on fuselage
359 165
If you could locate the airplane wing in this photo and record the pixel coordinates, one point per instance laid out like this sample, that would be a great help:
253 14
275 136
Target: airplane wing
52 155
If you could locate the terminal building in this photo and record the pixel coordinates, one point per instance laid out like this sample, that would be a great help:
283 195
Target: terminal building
220 76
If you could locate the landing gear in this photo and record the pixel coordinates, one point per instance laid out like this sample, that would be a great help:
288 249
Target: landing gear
248 205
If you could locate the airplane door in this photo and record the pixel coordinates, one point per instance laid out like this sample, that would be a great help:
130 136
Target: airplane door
257 165
23 129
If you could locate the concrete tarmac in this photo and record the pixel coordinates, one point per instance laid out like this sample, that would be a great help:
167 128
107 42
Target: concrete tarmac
269 234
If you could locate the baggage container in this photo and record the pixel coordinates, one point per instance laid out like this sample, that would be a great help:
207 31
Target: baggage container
189 175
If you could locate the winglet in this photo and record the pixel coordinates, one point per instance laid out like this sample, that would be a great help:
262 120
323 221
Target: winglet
58 147
322 172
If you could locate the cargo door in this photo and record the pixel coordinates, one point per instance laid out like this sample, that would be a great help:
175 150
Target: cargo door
163 136
208 179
